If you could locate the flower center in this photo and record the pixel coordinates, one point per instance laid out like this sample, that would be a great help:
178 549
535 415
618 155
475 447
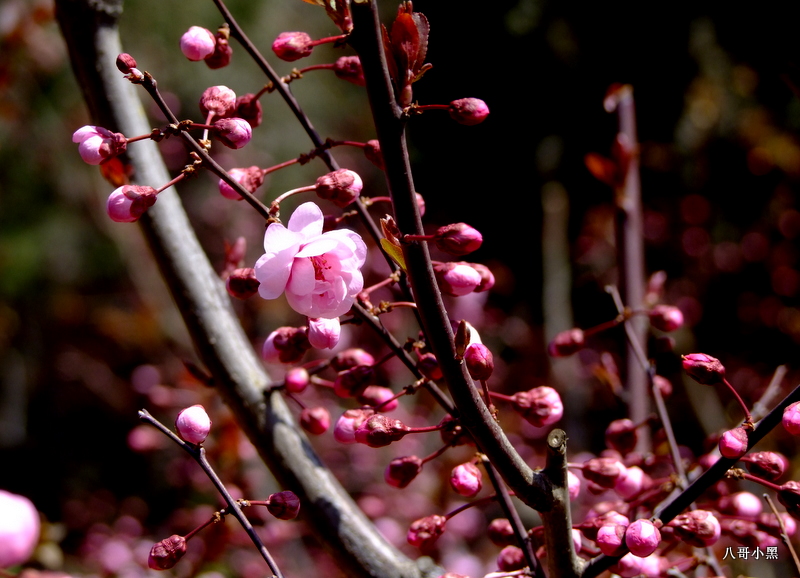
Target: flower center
320 267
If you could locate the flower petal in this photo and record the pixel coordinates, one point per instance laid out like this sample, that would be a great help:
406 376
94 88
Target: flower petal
301 281
319 246
307 220
275 266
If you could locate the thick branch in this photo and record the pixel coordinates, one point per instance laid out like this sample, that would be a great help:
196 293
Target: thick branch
200 295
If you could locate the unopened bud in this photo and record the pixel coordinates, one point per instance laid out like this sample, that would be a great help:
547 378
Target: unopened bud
789 496
632 483
249 178
345 429
242 283
501 533
663 384
373 153
740 504
297 380
233 132
733 443
125 63
351 382
480 361
286 345
487 278
193 424
324 333
221 57
642 538
466 480
197 43
511 558
315 420
621 436
166 553
425 531
628 566
377 395
666 317
429 366
349 358
566 343
129 202
456 279
603 471
768 465
703 368
699 528
378 431
539 406
573 485
458 239
791 418
401 471
249 108
341 187
349 68
19 529
291 46
468 111
284 505
462 338
610 539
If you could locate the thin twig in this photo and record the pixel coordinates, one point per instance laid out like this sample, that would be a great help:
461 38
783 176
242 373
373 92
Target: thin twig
784 535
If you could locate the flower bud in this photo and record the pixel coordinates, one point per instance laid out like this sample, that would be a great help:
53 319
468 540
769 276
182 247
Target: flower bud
125 63
349 68
703 368
539 406
249 108
315 420
480 361
249 178
791 418
401 471
573 485
297 380
610 539
129 202
286 345
233 132
373 153
341 187
376 395
452 433
349 358
468 111
351 382
166 553
621 436
487 278
628 566
378 431
642 538
242 283
284 505
19 529
197 43
291 46
97 144
733 443
345 429
740 504
465 479
789 496
193 424
632 483
221 57
425 531
501 533
698 528
604 471
666 317
429 366
511 558
768 465
324 333
566 343
663 384
456 279
458 239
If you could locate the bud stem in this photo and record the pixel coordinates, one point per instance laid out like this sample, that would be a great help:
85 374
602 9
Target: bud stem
748 419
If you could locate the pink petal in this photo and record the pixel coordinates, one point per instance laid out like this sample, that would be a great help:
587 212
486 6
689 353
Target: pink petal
307 220
302 281
319 246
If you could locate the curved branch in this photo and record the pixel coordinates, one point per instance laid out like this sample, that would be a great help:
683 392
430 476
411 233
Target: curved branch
89 27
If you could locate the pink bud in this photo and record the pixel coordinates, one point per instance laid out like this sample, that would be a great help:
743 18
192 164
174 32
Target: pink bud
539 406
284 505
632 483
768 465
97 144
291 46
610 539
249 108
501 533
233 132
425 531
249 178
699 528
604 472
511 558
242 283
129 202
479 361
219 100
456 279
349 358
628 566
378 431
373 153
741 504
376 395
566 343
642 538
664 385
315 420
733 443
125 63
352 382
458 239
221 57
19 529
789 496
197 43
297 380
487 278
349 68
621 436
341 187
704 368
401 471
465 479
345 429
286 345
324 333
193 424
666 317
791 418
166 553
573 486
468 111
429 366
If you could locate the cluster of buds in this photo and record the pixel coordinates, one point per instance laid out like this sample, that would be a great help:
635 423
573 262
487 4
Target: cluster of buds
199 43
461 278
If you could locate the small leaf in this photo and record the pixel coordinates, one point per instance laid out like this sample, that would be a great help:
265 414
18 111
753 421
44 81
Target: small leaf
395 253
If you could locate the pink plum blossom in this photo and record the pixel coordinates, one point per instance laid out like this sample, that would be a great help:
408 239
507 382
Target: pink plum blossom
197 43
97 144
319 272
19 529
324 333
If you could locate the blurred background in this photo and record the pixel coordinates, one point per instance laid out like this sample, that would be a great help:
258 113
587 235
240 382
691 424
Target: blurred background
88 334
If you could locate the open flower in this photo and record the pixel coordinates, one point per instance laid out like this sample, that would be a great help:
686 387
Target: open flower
320 272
